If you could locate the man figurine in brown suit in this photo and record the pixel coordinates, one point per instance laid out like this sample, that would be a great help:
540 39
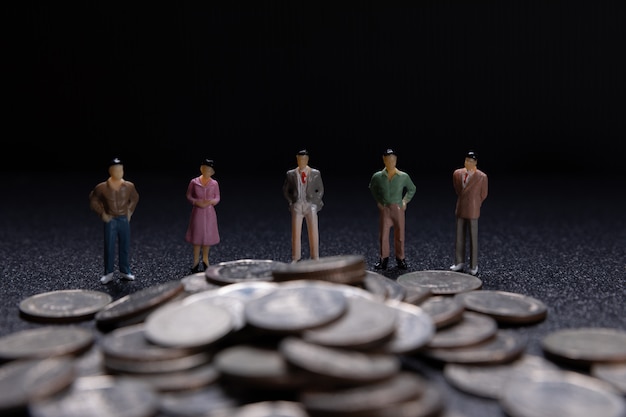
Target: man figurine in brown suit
471 187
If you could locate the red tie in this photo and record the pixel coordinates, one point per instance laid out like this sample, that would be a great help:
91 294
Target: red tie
303 177
465 179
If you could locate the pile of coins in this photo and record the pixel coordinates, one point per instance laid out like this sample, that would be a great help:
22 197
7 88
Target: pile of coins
259 338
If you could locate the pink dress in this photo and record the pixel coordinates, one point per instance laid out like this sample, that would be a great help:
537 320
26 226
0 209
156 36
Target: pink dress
202 229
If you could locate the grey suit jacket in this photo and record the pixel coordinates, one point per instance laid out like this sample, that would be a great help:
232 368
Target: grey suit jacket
314 188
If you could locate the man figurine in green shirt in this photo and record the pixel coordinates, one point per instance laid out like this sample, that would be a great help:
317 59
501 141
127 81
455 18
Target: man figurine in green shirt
392 189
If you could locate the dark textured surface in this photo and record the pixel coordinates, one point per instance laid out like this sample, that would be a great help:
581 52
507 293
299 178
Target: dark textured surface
561 240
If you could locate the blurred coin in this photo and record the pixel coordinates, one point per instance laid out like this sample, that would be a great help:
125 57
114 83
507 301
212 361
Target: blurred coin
188 379
429 404
489 380
240 270
296 306
441 282
443 309
586 345
197 282
209 401
100 396
367 398
139 303
611 372
45 342
258 366
27 380
64 305
271 409
247 290
505 307
177 324
365 324
343 269
472 329
130 366
339 365
414 328
543 393
130 343
383 286
416 295
504 347
232 304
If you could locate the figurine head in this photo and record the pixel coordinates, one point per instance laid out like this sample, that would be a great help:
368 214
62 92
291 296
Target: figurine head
207 162
302 157
207 167
470 160
116 168
390 158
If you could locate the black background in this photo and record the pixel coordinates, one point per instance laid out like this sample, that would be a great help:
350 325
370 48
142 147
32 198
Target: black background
532 86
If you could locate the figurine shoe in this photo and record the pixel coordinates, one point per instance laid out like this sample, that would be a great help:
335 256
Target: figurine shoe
196 268
457 267
401 263
382 263
128 277
474 270
107 278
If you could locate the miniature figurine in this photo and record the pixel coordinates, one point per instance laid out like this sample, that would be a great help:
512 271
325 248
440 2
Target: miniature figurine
203 192
115 200
303 188
471 187
392 189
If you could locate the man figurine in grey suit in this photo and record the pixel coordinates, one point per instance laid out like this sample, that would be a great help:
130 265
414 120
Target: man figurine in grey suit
303 188
471 187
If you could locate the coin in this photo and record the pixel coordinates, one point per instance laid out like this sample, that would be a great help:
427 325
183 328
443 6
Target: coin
505 307
414 328
102 396
211 400
441 282
488 381
43 342
191 325
247 290
27 380
296 306
344 269
366 323
234 305
560 393
613 373
504 347
197 282
279 408
353 401
241 270
138 304
62 305
383 286
339 365
443 309
472 329
586 345
188 379
129 366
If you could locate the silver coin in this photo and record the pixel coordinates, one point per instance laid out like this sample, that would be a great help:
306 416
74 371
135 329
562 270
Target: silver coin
504 347
472 329
505 307
130 343
441 282
414 328
24 381
211 400
100 396
258 366
189 379
611 372
241 270
383 286
271 409
45 342
488 381
247 290
443 309
196 283
337 364
586 345
365 324
543 393
416 295
130 366
296 306
234 305
177 324
344 269
139 303
353 401
64 305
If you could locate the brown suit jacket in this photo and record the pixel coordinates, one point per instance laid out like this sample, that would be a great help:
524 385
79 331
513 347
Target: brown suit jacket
470 198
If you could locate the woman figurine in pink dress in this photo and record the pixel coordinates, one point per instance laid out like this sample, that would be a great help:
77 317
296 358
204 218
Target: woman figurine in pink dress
203 193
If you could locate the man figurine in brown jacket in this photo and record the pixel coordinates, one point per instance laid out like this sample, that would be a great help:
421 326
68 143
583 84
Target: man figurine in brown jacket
471 187
115 200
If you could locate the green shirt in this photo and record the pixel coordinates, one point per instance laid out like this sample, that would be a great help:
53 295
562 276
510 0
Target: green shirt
391 192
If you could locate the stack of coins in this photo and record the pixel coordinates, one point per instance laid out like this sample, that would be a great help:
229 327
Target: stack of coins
341 269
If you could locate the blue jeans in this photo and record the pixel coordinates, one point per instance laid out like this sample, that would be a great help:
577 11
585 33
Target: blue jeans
117 230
